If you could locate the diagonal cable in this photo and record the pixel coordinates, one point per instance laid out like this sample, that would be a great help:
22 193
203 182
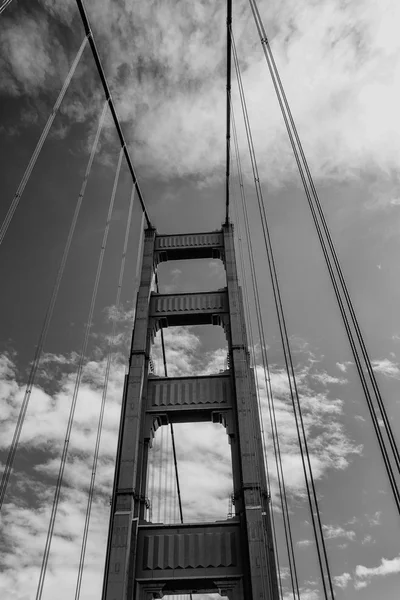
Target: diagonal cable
82 358
297 411
107 92
111 344
39 145
47 319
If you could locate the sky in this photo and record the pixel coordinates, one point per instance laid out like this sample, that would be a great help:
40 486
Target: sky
165 62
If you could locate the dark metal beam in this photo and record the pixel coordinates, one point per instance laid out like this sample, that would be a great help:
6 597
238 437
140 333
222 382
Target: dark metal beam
89 33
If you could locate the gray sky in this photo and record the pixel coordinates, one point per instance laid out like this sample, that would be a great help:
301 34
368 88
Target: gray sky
165 61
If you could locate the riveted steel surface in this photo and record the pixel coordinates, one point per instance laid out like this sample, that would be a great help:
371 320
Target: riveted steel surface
191 240
187 551
189 391
197 303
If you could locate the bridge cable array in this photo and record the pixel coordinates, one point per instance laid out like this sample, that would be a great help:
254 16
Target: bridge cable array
110 347
89 37
4 5
40 143
228 104
123 404
48 317
78 379
238 232
297 410
380 420
171 427
265 365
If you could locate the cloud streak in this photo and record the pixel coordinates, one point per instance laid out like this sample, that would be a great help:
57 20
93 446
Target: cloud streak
166 67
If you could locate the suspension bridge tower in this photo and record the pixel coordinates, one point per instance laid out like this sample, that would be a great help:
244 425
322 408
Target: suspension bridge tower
235 557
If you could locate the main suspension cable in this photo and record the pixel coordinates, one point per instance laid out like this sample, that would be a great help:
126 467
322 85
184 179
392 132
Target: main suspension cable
297 411
39 145
82 358
107 92
334 269
47 319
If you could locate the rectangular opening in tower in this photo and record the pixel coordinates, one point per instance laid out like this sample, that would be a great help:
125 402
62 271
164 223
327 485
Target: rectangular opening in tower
191 351
176 276
204 469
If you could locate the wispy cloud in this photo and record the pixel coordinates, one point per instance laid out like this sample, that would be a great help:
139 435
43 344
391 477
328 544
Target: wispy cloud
365 575
166 67
333 532
342 580
386 367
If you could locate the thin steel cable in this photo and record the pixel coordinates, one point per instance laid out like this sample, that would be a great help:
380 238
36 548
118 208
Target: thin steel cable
161 461
151 487
259 475
282 488
82 359
293 136
228 104
107 92
111 343
47 320
171 425
4 5
340 274
251 344
166 472
297 411
264 360
123 406
39 145
284 338
374 417
270 399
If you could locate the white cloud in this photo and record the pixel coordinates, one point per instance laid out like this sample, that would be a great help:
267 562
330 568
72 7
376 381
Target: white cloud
342 580
366 574
343 366
386 367
376 518
332 532
166 69
203 457
304 543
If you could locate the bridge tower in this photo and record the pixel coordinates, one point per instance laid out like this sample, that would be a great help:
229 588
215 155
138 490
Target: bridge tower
234 557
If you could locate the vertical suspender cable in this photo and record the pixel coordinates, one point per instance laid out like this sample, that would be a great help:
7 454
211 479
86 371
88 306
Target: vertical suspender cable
251 338
47 319
297 411
82 358
39 145
111 343
334 269
123 406
270 398
171 425
161 462
228 103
